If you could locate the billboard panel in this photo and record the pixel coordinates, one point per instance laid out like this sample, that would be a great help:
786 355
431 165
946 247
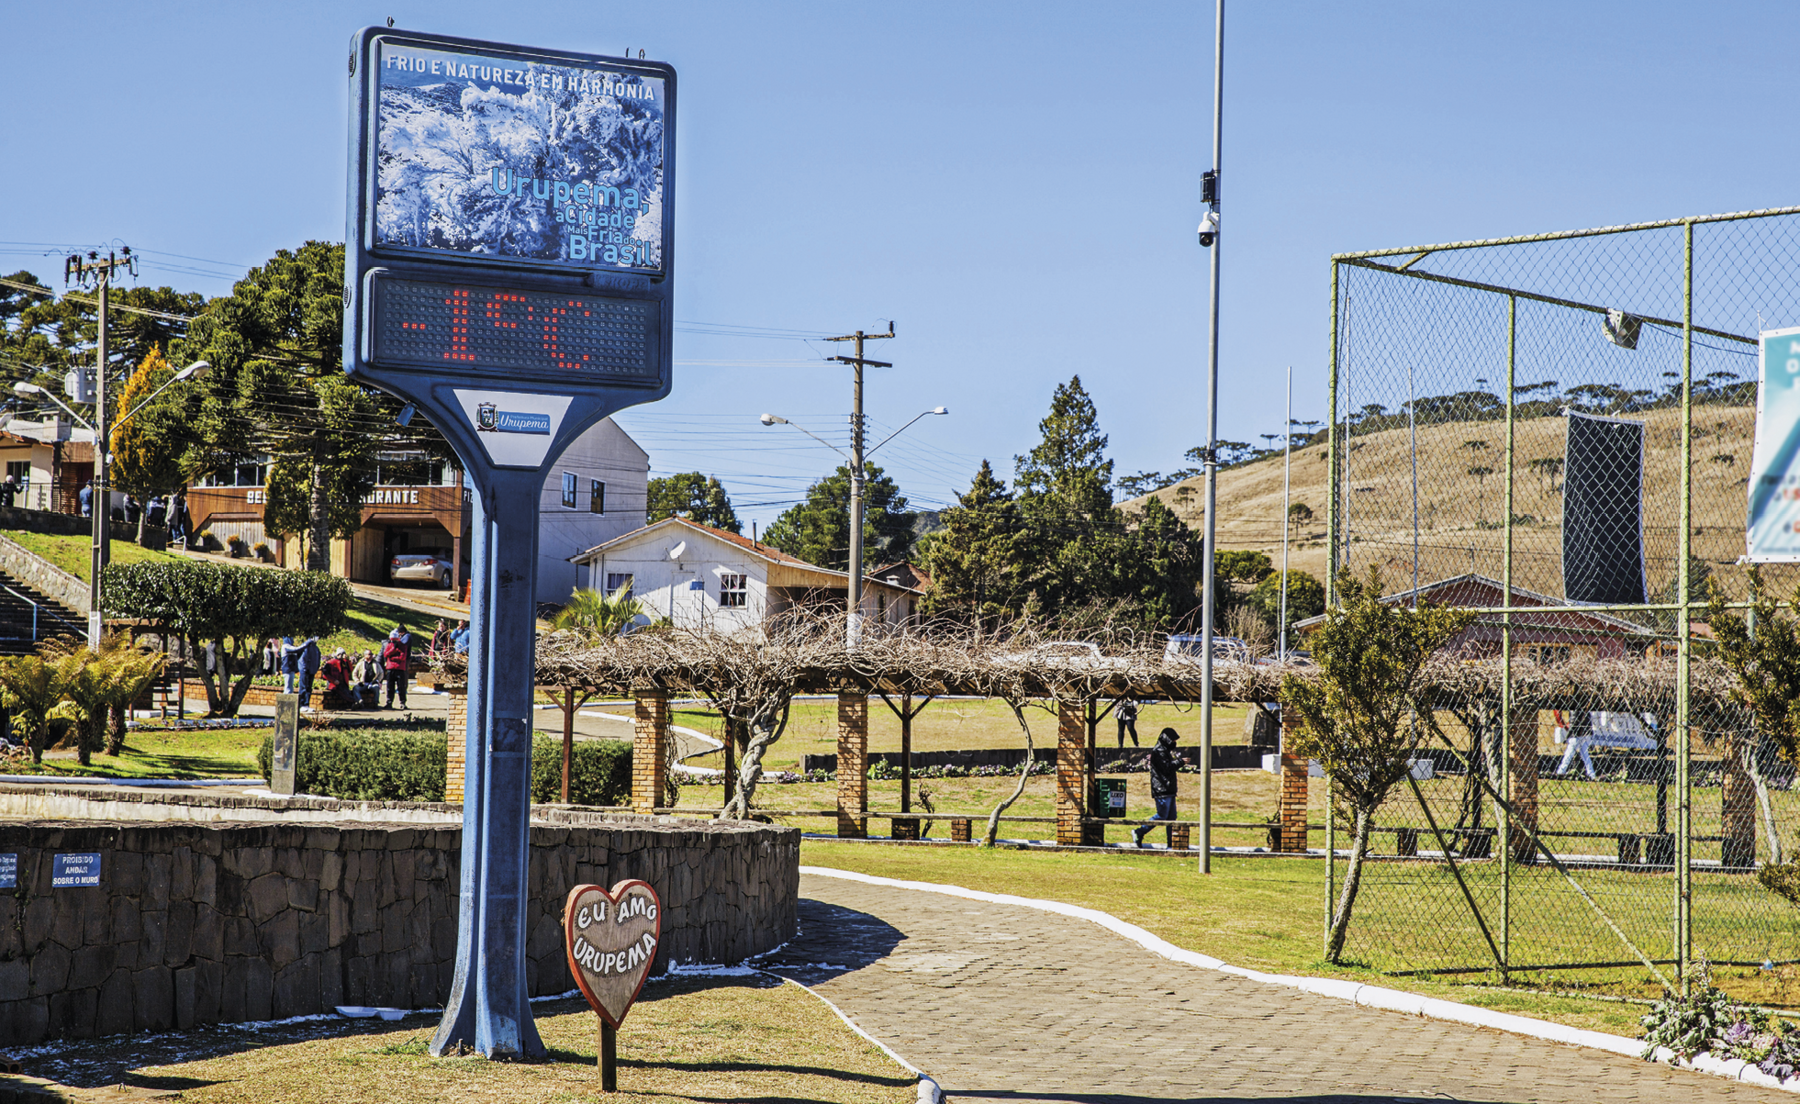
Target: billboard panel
503 154
1772 526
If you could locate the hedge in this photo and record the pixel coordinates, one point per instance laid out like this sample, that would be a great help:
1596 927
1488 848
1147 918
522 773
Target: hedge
363 765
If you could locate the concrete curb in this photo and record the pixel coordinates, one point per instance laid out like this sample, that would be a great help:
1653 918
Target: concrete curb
929 1091
1369 996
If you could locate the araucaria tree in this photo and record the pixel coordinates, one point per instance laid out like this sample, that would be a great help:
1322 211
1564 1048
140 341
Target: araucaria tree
1361 717
276 386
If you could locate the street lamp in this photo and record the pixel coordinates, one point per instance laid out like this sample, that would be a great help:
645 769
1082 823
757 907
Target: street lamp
853 588
101 510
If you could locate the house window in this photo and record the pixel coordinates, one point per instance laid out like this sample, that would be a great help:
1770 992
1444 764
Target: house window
1549 655
597 499
568 497
618 580
733 589
19 471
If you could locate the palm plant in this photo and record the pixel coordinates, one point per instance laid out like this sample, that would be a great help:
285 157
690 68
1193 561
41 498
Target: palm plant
34 685
593 613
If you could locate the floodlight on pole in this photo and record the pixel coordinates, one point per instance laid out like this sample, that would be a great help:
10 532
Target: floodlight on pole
909 425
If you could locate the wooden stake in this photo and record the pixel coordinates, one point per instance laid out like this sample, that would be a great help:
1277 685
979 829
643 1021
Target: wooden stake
568 738
609 1055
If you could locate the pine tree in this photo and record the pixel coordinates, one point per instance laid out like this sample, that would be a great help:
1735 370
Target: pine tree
975 561
693 496
818 529
1070 463
147 447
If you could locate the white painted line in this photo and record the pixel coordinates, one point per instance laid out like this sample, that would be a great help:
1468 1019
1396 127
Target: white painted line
1369 996
929 1092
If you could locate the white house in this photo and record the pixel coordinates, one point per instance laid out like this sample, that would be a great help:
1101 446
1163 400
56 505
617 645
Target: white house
700 577
598 491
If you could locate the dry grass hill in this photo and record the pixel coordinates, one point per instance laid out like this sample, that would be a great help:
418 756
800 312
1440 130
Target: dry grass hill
1461 507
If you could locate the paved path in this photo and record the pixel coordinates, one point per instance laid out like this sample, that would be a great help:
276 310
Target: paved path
1000 1002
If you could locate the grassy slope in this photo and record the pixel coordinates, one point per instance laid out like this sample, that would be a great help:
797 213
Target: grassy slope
74 554
1452 501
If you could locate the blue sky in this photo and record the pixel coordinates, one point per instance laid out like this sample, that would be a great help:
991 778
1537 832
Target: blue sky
1016 185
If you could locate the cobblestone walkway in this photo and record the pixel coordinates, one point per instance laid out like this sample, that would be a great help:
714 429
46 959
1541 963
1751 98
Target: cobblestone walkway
1000 1002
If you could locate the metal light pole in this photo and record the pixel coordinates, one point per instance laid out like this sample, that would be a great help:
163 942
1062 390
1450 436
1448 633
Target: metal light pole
1287 471
1209 236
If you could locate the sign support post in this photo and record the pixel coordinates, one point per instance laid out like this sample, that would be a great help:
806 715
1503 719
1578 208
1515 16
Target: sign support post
508 273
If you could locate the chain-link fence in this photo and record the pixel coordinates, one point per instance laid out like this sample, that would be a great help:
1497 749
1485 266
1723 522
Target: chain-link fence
1556 431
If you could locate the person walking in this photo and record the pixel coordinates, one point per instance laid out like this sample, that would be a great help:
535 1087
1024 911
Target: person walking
86 497
396 658
9 491
179 521
1581 737
1126 714
309 667
1163 766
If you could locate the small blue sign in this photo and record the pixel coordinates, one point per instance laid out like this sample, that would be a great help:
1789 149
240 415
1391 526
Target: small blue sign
75 870
9 871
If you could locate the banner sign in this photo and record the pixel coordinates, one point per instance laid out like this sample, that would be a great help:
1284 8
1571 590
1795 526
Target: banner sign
9 870
1772 527
497 154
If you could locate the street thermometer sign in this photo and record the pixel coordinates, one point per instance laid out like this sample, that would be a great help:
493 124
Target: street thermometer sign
508 268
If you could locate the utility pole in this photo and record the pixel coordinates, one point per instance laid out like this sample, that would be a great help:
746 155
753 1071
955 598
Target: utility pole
853 626
1209 236
81 270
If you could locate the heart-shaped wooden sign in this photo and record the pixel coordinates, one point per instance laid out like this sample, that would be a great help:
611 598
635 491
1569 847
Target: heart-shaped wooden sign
611 938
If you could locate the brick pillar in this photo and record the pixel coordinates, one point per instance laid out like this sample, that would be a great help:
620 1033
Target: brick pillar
649 750
1294 783
456 737
1522 763
1071 773
853 765
1738 794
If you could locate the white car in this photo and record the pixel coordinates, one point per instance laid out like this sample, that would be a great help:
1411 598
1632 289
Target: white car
1059 653
423 565
1190 647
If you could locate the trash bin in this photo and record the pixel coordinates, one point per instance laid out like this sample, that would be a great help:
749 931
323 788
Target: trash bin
1109 797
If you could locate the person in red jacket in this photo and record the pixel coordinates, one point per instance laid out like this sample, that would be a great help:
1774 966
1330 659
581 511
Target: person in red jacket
396 657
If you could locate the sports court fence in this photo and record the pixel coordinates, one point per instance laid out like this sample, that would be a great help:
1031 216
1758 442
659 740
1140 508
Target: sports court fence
1556 431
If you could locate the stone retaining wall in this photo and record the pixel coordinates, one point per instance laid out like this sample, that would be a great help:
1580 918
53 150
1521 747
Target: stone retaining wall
205 923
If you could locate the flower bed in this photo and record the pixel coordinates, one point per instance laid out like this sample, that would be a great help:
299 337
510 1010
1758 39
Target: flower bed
1707 1022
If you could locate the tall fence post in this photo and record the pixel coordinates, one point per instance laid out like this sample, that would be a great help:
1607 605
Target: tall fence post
1071 778
1684 778
1294 784
649 750
853 765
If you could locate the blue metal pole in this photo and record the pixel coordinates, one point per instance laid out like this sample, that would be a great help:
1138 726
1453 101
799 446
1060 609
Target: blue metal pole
489 1007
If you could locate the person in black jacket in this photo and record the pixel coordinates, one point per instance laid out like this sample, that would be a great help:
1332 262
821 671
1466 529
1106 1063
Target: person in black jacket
1163 764
1127 713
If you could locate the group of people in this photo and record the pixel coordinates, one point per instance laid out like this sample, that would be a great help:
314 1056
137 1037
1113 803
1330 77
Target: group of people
162 511
445 640
355 681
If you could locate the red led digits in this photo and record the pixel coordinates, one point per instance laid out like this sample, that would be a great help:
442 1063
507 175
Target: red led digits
459 325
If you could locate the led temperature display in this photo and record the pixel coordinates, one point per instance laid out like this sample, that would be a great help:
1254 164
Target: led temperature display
467 327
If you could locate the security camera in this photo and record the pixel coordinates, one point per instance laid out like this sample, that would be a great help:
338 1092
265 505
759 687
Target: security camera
1209 228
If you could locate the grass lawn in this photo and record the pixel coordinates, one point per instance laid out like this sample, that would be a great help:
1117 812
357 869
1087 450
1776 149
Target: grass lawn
695 1039
194 753
74 554
952 723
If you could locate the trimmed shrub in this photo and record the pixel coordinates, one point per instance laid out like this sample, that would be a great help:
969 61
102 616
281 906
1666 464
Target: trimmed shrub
366 766
599 772
372 765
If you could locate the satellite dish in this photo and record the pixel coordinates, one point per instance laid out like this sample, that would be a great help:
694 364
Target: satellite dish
675 552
